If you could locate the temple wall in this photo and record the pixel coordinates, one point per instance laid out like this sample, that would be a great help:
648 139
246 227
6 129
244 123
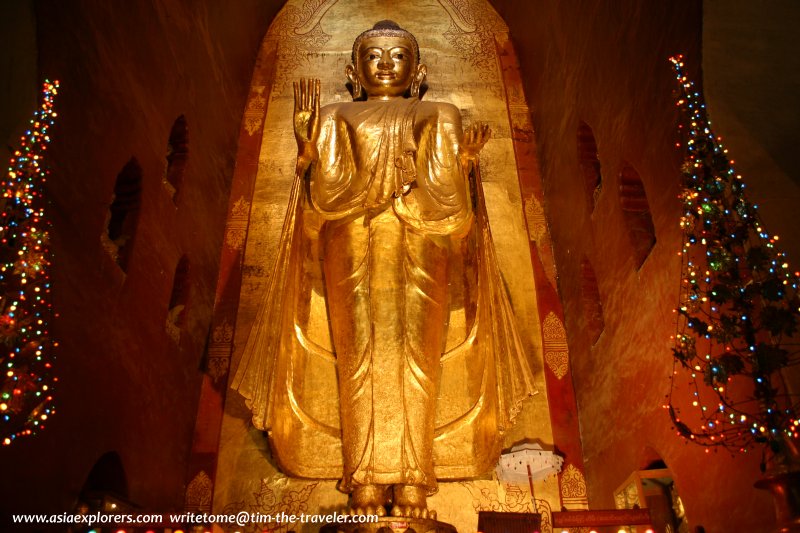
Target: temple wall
127 385
606 65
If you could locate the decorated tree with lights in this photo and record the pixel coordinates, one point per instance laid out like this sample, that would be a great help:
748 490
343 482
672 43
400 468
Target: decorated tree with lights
739 310
26 347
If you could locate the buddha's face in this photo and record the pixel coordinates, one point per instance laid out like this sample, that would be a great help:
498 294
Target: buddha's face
385 67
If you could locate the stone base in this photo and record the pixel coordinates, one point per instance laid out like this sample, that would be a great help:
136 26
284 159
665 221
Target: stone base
388 524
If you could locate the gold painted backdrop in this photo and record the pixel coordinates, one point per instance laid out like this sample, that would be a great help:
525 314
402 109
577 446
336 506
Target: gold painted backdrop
313 38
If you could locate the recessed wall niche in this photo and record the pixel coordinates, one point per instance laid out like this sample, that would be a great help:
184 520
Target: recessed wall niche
177 157
123 214
636 213
178 300
589 163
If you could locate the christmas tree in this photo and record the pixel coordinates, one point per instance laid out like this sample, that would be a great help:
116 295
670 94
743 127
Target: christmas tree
25 307
739 307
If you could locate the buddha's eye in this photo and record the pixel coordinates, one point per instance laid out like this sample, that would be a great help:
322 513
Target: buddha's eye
372 57
400 56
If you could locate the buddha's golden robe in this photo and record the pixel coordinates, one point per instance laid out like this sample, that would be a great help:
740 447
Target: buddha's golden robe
389 213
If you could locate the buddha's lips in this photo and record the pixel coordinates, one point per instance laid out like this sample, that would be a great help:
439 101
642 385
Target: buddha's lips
385 75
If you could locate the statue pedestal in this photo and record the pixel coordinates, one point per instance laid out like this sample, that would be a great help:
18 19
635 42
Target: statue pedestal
391 524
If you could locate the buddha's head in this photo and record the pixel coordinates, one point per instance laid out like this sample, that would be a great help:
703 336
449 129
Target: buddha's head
386 63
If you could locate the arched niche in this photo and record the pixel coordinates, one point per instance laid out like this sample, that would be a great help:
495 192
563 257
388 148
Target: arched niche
653 487
589 162
636 213
123 214
459 43
177 156
179 299
106 487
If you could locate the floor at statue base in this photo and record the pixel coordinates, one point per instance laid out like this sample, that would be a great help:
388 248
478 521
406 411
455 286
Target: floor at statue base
387 524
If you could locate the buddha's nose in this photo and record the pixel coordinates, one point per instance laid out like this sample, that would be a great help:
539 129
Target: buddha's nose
386 61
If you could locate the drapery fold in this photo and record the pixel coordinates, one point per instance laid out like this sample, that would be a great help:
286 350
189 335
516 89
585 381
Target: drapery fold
270 375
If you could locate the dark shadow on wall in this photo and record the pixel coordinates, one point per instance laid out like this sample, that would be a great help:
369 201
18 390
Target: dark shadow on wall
18 82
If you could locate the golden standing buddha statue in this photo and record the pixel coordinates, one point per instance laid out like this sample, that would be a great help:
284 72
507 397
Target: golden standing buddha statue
383 188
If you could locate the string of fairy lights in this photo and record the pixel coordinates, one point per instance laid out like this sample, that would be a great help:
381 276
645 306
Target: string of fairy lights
739 305
26 353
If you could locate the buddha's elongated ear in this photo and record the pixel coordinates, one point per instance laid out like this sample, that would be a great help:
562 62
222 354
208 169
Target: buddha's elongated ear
350 72
419 78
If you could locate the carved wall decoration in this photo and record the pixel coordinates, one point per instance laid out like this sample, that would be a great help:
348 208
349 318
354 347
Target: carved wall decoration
221 337
254 114
516 500
219 350
558 363
223 333
198 493
556 352
472 29
534 215
573 489
517 102
236 230
486 498
218 367
277 494
520 114
543 508
522 128
297 33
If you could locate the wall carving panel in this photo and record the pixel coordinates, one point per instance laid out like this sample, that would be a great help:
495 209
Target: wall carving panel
556 352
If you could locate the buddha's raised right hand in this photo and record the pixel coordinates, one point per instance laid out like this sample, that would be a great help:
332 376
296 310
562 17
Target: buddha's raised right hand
475 137
306 122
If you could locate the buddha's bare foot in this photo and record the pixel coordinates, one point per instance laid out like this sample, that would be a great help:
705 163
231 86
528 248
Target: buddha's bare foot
411 501
369 500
